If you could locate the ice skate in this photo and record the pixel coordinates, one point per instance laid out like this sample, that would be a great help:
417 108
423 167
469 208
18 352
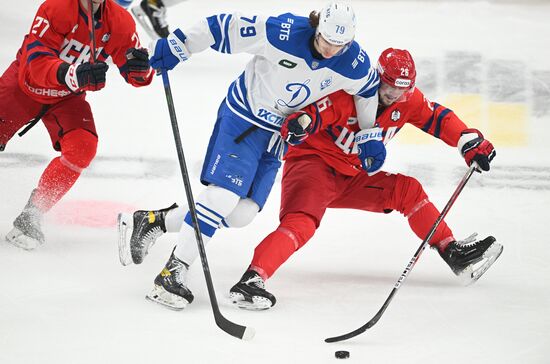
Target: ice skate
145 227
250 293
170 289
151 14
27 232
470 259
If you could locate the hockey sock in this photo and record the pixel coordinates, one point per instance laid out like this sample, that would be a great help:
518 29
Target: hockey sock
173 220
411 200
78 148
294 231
422 220
212 205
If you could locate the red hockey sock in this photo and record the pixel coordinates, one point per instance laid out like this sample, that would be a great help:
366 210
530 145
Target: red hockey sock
78 148
411 200
293 232
422 220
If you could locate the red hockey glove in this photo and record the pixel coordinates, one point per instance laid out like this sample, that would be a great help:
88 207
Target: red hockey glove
475 148
296 127
138 64
83 77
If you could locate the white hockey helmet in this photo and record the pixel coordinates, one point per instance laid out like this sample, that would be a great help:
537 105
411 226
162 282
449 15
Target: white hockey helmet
337 23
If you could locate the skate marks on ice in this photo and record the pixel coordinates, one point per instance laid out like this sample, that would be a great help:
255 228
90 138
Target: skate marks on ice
116 167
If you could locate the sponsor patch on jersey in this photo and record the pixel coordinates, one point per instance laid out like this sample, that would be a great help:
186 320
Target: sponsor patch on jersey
288 64
106 37
326 83
396 115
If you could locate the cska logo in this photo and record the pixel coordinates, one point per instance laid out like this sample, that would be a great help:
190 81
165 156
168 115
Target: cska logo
395 115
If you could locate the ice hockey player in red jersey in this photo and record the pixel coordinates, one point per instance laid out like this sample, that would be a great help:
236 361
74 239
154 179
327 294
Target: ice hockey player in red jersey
48 80
325 170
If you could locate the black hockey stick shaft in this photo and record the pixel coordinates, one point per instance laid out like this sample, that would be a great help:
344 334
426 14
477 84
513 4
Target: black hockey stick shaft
411 264
241 332
91 29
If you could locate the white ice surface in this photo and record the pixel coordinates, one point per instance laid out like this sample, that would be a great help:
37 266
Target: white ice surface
72 302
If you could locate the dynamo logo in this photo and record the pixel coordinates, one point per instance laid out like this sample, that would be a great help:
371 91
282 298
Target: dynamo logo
299 93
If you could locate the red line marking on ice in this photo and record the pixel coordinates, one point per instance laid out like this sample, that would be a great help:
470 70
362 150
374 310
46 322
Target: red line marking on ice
96 214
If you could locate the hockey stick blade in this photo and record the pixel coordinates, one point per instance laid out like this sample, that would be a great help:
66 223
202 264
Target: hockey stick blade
233 329
411 264
366 326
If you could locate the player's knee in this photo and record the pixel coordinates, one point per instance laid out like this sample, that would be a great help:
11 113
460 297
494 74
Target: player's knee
78 148
243 214
411 195
299 227
218 200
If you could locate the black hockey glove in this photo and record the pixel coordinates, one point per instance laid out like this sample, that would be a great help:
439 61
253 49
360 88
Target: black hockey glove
83 77
296 128
138 64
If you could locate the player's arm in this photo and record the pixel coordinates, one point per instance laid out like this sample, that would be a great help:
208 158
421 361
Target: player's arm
41 48
225 33
127 53
331 109
444 124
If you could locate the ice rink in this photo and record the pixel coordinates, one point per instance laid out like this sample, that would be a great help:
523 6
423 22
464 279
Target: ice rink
71 302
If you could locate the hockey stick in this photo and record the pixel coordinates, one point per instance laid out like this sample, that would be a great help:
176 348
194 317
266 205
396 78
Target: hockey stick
241 332
91 30
411 264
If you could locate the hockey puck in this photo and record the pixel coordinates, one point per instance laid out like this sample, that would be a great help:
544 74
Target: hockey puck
341 354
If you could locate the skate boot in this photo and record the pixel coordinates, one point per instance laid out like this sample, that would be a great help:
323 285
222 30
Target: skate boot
151 14
27 232
170 289
470 259
146 228
249 293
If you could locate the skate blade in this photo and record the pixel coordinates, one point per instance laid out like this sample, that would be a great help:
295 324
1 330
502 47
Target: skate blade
143 20
258 303
18 239
169 300
473 272
125 223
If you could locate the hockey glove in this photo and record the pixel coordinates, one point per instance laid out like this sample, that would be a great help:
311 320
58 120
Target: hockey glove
475 148
170 51
296 128
83 77
138 64
371 149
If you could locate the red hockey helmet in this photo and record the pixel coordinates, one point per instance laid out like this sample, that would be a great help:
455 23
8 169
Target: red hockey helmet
396 68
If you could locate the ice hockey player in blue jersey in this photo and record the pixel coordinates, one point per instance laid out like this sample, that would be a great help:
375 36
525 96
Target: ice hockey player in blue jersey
297 60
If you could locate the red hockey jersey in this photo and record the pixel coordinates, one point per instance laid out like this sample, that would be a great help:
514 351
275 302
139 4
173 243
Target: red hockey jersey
334 134
59 33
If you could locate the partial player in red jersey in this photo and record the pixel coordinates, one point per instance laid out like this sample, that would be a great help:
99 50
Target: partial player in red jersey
55 66
324 169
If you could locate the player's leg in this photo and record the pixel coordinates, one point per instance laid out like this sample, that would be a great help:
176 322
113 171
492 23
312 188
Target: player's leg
72 131
385 192
151 15
16 108
468 258
228 171
307 187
